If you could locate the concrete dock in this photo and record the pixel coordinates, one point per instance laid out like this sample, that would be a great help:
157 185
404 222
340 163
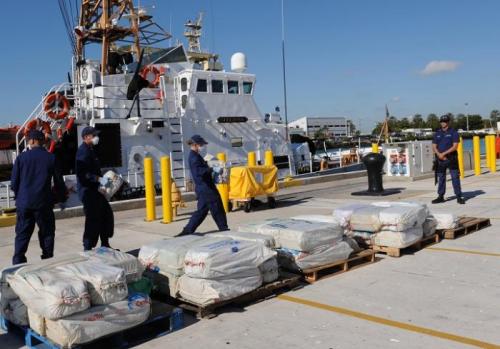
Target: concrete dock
445 296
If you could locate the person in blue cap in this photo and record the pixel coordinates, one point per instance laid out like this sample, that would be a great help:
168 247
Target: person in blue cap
206 192
445 145
99 220
31 182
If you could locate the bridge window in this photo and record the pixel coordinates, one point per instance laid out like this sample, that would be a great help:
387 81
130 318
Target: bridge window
201 85
247 87
217 86
232 87
184 100
184 84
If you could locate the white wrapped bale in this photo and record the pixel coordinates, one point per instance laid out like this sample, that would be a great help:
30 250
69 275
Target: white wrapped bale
446 220
225 259
14 311
106 284
397 239
316 218
429 226
207 291
343 214
298 260
50 293
130 264
37 322
401 216
6 292
98 321
366 218
266 240
270 270
299 235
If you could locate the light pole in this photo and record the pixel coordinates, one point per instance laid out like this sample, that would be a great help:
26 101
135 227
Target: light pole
467 115
283 64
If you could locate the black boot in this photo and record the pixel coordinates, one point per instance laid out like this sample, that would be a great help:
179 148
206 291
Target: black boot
438 200
461 200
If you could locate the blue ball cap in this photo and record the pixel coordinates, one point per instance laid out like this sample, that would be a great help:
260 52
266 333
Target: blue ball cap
36 135
444 118
89 130
197 139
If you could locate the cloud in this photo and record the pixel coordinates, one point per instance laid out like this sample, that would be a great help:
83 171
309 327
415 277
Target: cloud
395 99
437 67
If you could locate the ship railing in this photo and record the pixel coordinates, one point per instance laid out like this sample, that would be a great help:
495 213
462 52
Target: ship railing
6 195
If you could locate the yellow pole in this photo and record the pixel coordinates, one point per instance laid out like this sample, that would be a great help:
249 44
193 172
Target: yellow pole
251 159
150 190
477 155
493 155
269 158
223 188
166 189
374 147
460 151
487 150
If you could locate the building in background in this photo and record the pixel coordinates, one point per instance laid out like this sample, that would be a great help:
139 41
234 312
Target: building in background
332 127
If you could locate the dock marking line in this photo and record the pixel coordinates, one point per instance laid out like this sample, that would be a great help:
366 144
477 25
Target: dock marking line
391 323
442 249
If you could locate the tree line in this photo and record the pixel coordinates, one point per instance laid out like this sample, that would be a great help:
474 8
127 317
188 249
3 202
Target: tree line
458 121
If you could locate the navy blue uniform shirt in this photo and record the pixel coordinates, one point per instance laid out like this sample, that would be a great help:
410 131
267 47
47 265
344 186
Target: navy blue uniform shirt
201 174
31 179
88 168
445 139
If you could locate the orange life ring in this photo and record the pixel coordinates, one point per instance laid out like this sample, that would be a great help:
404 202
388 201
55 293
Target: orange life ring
52 146
147 70
69 124
38 124
56 105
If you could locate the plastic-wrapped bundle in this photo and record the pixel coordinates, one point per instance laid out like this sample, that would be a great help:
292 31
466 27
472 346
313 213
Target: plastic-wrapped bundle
98 321
6 292
208 291
225 259
398 239
50 293
366 218
106 284
37 322
15 311
270 270
446 220
316 218
130 264
266 240
429 226
298 260
299 235
344 213
401 216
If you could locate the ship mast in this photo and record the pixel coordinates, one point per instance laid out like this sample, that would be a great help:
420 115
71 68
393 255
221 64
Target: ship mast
101 22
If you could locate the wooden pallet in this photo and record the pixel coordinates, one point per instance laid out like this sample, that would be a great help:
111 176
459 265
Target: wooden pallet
466 225
397 252
163 319
286 281
357 260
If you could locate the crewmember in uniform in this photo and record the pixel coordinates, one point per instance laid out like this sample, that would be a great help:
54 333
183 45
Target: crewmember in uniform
99 220
206 192
445 144
31 180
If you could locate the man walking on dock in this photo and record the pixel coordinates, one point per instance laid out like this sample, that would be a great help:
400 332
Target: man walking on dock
444 145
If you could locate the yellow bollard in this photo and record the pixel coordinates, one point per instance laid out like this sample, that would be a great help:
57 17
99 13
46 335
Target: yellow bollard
150 190
166 189
477 155
460 151
223 188
251 159
269 158
374 147
487 150
493 155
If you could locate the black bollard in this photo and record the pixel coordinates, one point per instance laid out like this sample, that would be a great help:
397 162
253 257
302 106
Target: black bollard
374 163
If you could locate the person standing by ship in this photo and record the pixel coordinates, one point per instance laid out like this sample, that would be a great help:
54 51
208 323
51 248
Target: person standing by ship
31 179
206 192
445 145
99 220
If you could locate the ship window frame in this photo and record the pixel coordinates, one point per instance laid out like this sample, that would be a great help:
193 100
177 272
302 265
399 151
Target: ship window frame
236 84
184 101
245 91
184 84
221 86
198 85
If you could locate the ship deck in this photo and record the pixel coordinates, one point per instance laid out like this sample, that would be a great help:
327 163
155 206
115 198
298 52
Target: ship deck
445 296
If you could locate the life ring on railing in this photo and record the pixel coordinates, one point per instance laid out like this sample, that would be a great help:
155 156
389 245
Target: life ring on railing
149 70
56 105
69 124
38 124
